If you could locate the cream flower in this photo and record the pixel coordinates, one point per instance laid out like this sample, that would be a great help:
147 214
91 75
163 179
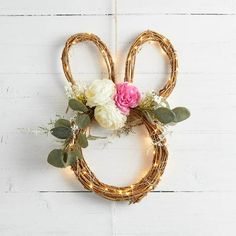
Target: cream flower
100 92
109 116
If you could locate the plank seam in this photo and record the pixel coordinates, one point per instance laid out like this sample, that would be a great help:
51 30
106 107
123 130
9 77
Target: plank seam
119 14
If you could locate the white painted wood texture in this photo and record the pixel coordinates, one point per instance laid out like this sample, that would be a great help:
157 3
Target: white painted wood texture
197 193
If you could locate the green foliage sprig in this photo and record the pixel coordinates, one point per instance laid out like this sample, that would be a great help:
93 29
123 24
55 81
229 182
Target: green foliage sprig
74 133
166 115
156 109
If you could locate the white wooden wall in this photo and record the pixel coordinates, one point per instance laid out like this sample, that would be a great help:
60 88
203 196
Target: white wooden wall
197 193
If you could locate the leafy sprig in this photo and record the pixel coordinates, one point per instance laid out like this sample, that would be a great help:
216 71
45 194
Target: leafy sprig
166 115
73 133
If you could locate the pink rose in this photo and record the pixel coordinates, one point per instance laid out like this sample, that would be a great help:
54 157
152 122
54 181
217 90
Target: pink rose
127 96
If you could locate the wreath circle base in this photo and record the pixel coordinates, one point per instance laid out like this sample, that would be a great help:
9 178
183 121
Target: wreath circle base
134 192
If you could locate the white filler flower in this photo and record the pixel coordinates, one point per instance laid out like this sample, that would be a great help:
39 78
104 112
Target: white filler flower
100 92
109 116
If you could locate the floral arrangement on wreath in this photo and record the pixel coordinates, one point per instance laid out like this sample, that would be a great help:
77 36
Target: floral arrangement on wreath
112 106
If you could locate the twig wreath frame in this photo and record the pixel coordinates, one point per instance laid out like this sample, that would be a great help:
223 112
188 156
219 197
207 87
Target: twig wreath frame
135 192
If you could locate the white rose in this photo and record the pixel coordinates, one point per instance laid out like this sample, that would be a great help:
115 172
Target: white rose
100 92
109 116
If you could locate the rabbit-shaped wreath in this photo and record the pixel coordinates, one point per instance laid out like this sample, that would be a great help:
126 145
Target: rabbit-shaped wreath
116 107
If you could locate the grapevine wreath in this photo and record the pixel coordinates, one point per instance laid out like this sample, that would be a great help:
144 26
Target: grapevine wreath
117 107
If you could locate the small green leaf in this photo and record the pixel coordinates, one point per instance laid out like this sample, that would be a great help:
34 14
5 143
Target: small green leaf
69 158
181 113
77 105
61 132
83 120
82 140
164 115
62 122
92 137
55 158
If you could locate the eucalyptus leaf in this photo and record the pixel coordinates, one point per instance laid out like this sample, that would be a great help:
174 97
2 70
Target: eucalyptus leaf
55 158
62 122
181 113
82 140
164 115
61 132
77 105
83 120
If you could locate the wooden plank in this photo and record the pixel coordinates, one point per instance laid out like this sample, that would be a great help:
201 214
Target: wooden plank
179 214
191 39
23 93
53 214
86 214
30 53
27 7
200 164
175 7
57 8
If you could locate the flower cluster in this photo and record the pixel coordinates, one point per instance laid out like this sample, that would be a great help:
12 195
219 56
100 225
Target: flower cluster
110 105
111 102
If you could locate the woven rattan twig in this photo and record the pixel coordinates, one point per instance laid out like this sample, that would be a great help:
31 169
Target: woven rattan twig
166 46
138 190
81 37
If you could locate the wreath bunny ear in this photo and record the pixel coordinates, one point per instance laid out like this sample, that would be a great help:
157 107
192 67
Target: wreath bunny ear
167 47
77 38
